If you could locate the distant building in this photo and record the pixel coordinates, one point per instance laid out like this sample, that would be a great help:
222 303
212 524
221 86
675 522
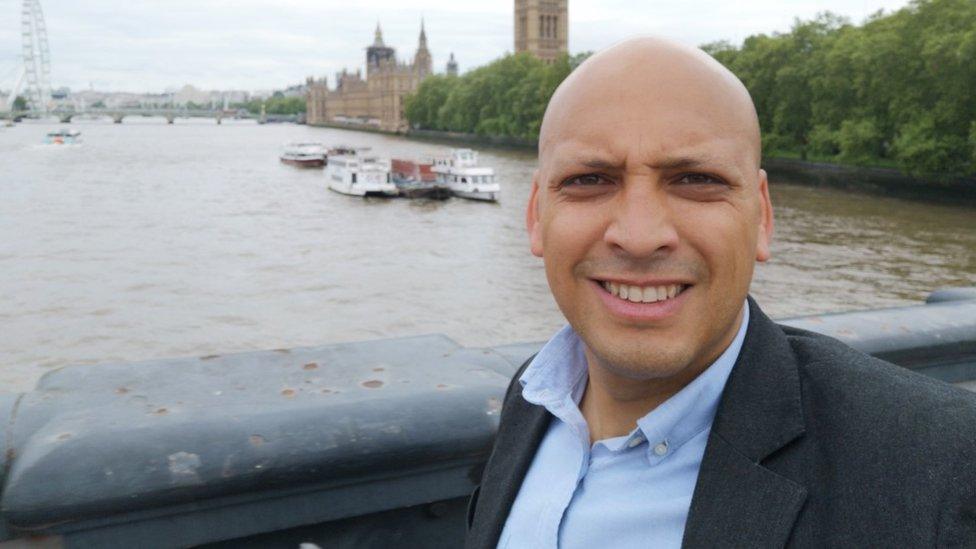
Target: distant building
452 66
377 99
542 28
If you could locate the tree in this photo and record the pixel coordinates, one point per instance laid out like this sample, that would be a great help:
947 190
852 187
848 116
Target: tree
505 98
19 104
895 90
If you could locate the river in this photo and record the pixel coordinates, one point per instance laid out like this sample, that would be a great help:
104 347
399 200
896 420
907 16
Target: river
157 241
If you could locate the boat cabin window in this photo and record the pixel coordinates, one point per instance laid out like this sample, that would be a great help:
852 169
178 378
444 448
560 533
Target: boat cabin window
354 178
464 180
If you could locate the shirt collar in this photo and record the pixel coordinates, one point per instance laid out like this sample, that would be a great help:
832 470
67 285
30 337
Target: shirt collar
558 374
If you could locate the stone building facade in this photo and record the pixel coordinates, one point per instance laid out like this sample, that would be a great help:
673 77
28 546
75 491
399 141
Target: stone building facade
377 99
542 28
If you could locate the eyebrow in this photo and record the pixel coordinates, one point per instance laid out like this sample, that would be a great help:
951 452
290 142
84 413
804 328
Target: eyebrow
600 164
677 163
666 163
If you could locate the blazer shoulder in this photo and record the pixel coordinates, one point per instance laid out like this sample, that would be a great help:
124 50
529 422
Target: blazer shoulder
832 370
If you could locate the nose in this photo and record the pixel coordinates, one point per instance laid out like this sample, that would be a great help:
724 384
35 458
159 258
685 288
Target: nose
642 223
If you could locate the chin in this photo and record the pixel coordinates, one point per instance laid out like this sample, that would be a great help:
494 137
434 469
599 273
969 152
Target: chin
641 362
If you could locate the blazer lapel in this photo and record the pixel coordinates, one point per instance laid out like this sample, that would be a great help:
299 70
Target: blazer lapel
738 502
519 436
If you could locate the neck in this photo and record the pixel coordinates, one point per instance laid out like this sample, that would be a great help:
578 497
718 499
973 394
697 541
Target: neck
612 404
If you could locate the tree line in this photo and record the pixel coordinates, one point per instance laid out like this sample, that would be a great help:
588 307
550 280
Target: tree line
504 98
898 90
277 104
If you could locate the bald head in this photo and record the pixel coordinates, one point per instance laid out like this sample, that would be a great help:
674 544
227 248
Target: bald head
649 209
657 82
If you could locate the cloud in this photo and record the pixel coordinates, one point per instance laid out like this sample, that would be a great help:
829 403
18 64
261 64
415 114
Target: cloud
151 45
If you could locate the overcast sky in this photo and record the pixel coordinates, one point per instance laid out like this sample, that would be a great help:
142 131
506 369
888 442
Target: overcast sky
154 45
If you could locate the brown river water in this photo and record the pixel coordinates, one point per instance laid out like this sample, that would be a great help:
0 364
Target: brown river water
157 241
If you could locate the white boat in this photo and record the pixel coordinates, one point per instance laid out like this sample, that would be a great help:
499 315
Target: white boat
460 172
63 137
359 175
306 155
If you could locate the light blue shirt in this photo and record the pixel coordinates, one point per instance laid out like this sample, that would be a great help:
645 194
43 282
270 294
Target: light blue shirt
628 491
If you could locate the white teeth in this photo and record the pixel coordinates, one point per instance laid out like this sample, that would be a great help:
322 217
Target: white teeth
646 294
650 294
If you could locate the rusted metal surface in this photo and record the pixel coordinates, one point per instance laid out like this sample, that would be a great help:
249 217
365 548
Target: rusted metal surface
359 444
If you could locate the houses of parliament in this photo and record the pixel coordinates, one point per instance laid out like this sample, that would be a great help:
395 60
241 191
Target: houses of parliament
541 28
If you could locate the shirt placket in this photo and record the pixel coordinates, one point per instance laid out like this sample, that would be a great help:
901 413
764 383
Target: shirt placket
569 414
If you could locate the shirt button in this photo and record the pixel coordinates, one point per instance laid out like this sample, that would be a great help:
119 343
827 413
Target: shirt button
661 448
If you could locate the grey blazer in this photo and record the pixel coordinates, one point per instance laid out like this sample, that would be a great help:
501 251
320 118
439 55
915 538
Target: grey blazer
814 445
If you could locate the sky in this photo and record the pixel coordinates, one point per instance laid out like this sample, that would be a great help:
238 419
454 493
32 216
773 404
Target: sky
159 45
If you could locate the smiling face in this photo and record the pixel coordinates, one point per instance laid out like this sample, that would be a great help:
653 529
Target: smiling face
649 207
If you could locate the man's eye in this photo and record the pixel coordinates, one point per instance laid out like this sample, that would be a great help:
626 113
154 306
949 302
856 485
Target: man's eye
588 180
699 179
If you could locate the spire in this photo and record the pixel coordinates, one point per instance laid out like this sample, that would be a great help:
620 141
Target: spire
378 37
452 66
423 36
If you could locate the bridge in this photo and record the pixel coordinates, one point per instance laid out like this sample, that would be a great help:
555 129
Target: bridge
65 115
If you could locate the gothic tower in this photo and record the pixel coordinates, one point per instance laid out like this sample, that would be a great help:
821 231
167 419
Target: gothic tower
542 28
452 66
378 53
422 63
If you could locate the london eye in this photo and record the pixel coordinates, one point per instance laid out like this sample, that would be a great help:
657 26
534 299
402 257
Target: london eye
34 80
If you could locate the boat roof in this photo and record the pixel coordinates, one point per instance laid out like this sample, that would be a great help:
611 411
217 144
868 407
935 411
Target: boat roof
479 170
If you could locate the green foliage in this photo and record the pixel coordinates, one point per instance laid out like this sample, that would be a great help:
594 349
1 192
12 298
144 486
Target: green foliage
505 98
19 104
896 90
275 105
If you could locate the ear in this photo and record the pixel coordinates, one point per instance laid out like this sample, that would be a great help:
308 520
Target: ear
532 222
765 219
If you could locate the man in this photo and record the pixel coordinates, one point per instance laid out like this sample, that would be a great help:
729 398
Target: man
671 411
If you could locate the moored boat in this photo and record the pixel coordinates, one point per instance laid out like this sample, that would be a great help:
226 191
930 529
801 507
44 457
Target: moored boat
359 175
415 179
305 155
63 136
460 172
337 150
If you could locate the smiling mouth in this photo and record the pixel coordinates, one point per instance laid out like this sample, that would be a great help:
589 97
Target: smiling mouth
643 294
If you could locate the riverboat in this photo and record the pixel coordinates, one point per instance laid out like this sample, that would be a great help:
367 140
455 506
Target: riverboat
305 155
416 179
460 172
359 175
337 150
63 137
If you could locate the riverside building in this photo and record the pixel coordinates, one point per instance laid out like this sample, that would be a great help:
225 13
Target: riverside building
377 99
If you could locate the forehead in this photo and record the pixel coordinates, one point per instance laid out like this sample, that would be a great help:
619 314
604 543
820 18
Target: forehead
625 140
650 114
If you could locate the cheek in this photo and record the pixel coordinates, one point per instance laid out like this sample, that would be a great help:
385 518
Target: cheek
719 233
569 234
